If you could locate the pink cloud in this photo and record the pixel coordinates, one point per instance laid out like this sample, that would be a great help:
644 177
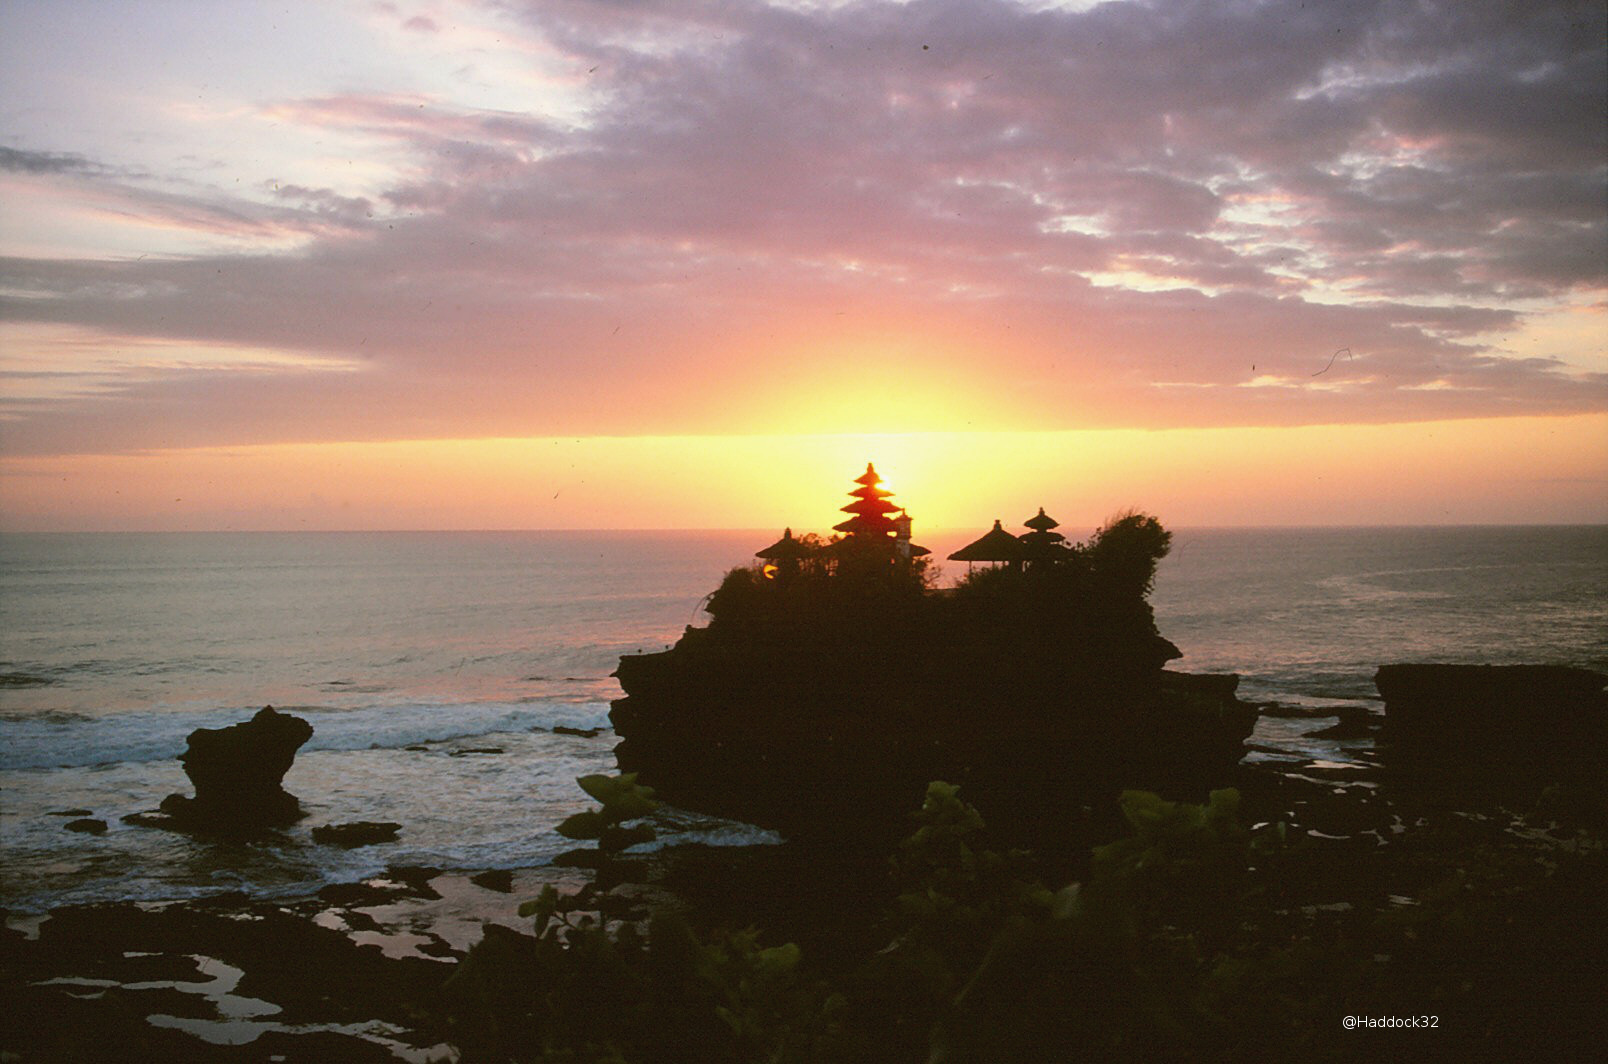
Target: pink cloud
762 193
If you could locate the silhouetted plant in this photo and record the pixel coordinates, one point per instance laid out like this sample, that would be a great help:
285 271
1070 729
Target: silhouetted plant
1156 954
622 799
599 983
1124 553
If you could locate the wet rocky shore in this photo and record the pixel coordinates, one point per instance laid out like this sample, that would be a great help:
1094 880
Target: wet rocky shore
1387 881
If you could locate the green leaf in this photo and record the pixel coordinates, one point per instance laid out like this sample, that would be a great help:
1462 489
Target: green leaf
614 839
783 958
587 825
606 788
622 797
542 908
1144 808
633 805
1222 807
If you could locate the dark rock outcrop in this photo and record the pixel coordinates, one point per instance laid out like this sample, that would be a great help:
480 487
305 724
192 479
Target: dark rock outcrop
237 772
358 833
1355 722
819 744
1534 718
87 826
824 696
322 981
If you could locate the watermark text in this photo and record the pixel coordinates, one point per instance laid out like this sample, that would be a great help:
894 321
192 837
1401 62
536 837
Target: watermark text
1351 1023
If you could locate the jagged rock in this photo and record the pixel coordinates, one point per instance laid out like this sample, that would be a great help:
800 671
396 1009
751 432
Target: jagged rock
583 733
498 879
317 976
353 895
237 772
416 878
766 738
822 698
1355 722
87 826
1285 711
150 819
580 857
357 833
1534 717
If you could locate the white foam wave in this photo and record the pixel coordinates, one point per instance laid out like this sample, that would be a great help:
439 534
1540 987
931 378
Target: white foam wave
51 740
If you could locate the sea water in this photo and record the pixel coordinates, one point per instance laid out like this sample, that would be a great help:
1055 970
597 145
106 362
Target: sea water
434 666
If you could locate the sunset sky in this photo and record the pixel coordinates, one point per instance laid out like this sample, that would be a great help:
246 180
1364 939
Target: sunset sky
599 263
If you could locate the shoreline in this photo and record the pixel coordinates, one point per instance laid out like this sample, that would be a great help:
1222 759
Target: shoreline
317 772
355 971
1405 867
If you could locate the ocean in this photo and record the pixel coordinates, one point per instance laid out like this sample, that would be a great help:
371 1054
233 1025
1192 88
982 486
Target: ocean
434 666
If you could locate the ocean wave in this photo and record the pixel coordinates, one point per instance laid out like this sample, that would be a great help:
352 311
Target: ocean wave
1361 589
57 716
24 679
64 740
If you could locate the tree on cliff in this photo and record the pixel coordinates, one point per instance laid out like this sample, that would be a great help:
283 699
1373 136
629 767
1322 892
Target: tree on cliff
1124 554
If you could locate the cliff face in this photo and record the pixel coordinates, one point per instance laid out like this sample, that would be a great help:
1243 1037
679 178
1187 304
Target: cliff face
1521 721
831 702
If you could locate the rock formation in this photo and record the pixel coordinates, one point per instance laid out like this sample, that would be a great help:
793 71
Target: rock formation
824 702
1533 718
237 773
358 833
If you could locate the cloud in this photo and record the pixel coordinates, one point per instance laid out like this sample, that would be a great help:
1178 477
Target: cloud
1117 216
19 161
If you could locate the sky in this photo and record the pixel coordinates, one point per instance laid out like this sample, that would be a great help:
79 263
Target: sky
688 263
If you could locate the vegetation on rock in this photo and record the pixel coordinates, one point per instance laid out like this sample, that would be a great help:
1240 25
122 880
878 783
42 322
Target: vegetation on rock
1033 686
1188 937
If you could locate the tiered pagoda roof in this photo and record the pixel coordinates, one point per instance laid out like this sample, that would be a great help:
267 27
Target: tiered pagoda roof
1042 522
1042 542
873 519
870 508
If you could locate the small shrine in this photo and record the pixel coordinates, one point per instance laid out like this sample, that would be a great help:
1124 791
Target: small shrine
782 558
997 546
1040 545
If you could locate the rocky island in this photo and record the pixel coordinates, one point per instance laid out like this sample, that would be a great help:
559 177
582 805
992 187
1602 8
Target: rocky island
833 681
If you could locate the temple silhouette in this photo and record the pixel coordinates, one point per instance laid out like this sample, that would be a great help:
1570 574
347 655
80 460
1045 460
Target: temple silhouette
831 683
876 532
879 531
1040 545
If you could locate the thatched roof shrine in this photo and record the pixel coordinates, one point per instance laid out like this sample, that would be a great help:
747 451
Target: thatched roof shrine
997 545
785 549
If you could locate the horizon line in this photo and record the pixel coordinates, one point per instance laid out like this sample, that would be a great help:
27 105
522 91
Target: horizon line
1359 526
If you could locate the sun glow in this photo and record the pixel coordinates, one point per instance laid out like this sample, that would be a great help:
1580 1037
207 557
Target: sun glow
1507 470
